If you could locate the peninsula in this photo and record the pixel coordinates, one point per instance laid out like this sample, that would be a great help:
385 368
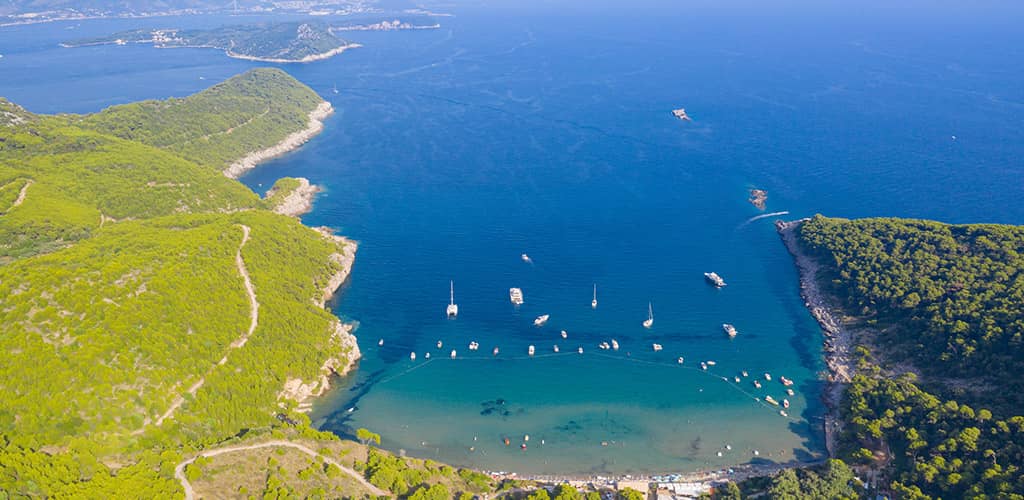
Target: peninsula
286 42
922 324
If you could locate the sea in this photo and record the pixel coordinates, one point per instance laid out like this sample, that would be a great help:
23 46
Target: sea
546 130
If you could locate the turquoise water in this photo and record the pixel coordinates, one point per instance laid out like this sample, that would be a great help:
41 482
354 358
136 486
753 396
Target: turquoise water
547 131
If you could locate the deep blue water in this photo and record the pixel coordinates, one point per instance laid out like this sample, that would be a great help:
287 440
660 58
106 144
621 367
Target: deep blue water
547 131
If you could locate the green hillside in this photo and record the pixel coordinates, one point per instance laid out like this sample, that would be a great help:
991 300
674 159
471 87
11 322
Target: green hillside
123 297
217 126
946 301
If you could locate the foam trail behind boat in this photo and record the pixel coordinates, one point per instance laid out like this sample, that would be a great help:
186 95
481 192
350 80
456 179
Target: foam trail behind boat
763 216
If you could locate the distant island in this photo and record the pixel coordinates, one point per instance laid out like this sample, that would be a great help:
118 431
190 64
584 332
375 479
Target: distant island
288 42
392 25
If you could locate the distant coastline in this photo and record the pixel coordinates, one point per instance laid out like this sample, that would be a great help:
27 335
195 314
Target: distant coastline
310 58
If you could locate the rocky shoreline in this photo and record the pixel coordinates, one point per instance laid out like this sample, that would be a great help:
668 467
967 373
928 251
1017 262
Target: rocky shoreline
838 338
289 143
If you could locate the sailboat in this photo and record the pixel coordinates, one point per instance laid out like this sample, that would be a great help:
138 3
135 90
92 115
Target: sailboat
593 303
453 308
650 316
335 88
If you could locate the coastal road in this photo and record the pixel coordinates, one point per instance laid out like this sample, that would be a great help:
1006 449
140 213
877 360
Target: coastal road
179 471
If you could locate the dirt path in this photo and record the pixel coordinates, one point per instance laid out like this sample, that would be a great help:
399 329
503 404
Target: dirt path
179 471
22 194
254 320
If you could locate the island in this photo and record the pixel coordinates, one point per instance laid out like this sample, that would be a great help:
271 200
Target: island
758 198
284 42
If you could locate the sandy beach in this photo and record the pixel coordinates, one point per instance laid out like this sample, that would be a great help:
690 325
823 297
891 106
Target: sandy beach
293 141
838 338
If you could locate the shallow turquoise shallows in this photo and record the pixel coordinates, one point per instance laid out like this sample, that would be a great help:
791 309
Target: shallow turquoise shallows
549 132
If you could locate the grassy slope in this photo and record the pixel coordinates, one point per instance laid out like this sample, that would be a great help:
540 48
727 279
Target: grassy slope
102 333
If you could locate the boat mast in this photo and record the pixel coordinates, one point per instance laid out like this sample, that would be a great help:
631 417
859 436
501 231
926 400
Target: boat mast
452 284
650 312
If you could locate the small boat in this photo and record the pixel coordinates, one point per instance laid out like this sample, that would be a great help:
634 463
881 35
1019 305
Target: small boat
507 441
615 345
526 258
790 392
745 374
543 318
657 347
453 354
474 346
650 316
580 350
711 363
714 279
495 351
679 360
531 350
771 400
427 355
593 303
757 384
736 379
412 356
703 366
604 346
785 403
783 413
785 381
556 348
768 376
516 296
681 114
729 330
439 344
380 342
453 308
564 334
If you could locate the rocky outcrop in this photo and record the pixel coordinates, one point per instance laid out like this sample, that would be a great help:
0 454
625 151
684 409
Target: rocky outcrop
758 198
293 141
298 202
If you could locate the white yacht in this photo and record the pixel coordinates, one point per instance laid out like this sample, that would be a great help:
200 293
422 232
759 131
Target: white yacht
768 376
615 345
679 360
531 350
516 296
556 348
714 279
650 316
453 354
593 303
412 356
380 342
474 345
565 334
495 352
453 308
526 258
656 347
543 318
604 346
729 330
580 350
439 344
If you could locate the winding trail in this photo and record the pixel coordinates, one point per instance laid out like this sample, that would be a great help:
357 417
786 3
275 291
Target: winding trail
179 471
254 320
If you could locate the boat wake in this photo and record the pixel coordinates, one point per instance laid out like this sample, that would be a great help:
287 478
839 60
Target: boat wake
762 216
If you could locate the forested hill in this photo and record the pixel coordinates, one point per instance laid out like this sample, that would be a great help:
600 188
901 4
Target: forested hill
948 302
217 126
150 305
